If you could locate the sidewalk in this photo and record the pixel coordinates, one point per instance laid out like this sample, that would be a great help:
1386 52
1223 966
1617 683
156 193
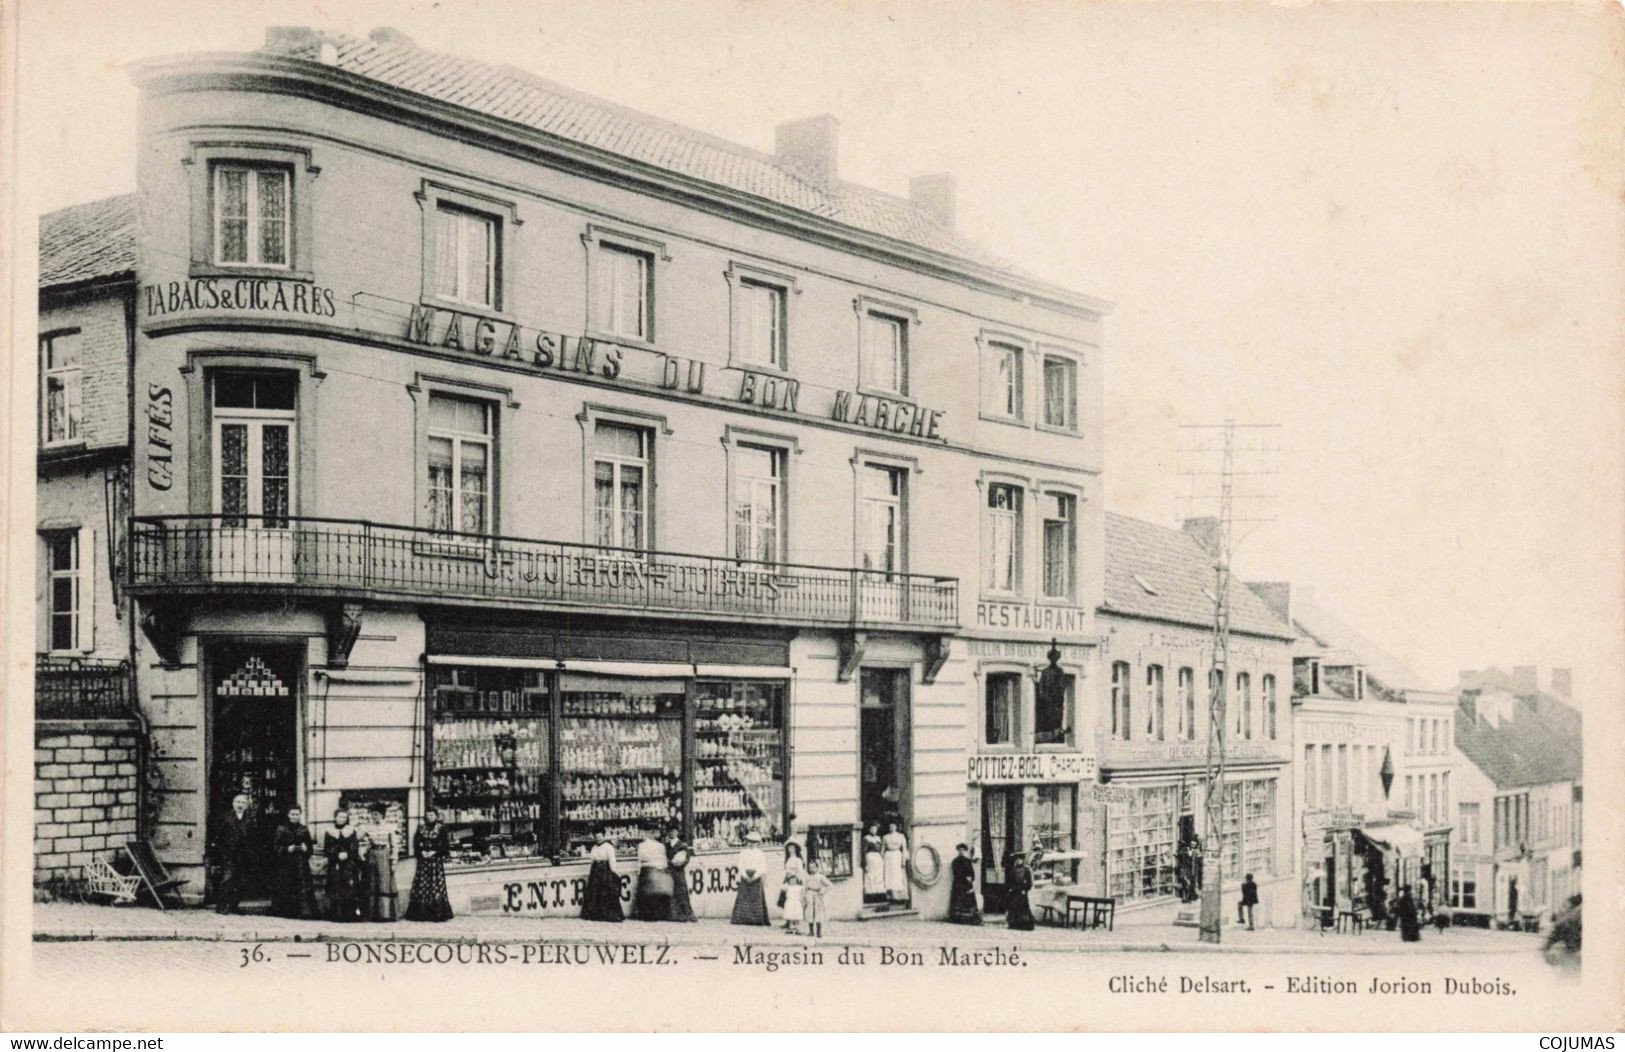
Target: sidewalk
67 922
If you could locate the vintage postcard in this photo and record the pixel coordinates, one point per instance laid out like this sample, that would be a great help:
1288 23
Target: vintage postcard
813 516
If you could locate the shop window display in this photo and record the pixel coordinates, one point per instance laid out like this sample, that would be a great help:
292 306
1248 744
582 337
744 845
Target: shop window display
620 761
491 761
738 762
1141 837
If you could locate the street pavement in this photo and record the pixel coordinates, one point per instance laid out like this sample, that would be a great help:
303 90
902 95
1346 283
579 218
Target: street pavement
73 922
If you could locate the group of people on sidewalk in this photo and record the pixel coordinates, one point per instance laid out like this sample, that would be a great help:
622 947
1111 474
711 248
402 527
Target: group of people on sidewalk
358 867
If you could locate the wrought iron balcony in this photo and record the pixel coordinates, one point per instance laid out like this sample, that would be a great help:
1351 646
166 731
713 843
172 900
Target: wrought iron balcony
81 689
190 554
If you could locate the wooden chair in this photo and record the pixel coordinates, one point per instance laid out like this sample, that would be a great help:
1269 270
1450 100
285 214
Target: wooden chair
155 879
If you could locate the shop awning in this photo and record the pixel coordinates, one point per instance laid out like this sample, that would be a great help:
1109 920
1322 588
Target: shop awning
1403 840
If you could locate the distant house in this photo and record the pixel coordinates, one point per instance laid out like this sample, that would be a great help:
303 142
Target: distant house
1518 832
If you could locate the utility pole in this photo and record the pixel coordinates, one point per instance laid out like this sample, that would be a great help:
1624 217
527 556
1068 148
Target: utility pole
1211 920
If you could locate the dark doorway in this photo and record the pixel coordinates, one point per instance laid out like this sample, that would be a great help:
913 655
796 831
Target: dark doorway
254 704
1001 834
883 747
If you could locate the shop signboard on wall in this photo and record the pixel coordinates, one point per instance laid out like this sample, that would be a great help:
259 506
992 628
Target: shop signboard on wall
1183 754
559 890
1034 617
1025 767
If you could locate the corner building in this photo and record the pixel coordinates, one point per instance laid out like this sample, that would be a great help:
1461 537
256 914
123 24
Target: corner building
508 452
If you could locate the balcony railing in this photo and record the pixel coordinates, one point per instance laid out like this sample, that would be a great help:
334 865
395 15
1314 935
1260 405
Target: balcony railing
81 689
212 553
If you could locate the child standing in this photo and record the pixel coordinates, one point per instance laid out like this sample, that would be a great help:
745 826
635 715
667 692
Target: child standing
813 910
795 873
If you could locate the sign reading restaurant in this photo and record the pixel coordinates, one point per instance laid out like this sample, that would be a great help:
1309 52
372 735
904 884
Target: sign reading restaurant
1011 768
1035 616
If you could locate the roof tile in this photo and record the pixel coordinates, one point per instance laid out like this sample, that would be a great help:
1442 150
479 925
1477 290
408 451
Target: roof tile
87 242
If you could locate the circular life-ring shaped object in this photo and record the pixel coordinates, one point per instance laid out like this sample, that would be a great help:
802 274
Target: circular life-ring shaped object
925 867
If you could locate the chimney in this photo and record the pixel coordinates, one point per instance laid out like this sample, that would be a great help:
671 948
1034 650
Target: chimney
1563 682
1469 705
935 194
1277 595
286 40
1525 679
391 35
809 147
1205 531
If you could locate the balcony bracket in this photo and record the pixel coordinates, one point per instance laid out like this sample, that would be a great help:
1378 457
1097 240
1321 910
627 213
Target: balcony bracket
343 628
162 621
850 645
936 656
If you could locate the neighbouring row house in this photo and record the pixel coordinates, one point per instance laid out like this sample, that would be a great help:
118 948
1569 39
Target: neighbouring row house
508 452
1516 855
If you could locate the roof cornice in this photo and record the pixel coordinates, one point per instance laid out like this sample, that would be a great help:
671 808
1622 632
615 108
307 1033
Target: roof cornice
283 74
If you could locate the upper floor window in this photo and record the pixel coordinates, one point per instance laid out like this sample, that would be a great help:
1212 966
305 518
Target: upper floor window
884 353
1003 708
1122 703
1060 544
621 478
1052 715
1060 392
1244 705
255 442
758 502
761 323
467 256
61 382
1269 707
623 292
1003 537
1002 394
1155 717
460 459
882 538
252 215
1187 704
70 584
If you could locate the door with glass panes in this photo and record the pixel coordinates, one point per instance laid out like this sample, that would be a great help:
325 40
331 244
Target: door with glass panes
254 441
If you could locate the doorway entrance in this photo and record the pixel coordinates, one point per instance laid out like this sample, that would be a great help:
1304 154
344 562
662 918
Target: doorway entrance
1001 834
883 747
253 741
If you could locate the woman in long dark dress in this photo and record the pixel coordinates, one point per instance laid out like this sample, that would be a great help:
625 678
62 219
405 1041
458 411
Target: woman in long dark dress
294 893
1019 912
677 857
962 908
1410 926
346 876
750 901
429 900
603 898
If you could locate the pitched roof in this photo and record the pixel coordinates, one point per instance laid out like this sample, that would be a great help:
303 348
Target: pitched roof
543 105
1333 633
1181 579
87 242
1526 750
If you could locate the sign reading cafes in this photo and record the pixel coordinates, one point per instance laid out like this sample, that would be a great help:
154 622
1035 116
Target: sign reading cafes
1008 768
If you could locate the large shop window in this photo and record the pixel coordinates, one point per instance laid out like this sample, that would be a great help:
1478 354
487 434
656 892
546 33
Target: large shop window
61 380
621 485
460 456
1141 837
251 215
528 763
1249 827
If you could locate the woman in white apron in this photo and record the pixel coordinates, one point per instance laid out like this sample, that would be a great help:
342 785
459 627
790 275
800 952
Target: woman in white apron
874 868
895 847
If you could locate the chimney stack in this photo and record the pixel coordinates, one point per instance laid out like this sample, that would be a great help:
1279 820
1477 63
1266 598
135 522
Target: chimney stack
809 147
937 194
1205 531
1469 705
285 40
1525 679
1563 682
391 35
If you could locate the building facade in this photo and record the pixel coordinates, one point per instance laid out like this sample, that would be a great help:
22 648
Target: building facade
88 745
509 453
1373 758
1144 821
1516 854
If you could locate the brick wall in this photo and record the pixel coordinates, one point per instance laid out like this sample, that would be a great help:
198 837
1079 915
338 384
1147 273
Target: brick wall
85 795
104 390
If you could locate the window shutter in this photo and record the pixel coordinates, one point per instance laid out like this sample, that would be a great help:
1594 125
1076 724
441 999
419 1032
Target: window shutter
87 589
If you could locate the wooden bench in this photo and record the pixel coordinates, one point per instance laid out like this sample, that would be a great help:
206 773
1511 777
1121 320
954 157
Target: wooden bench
155 879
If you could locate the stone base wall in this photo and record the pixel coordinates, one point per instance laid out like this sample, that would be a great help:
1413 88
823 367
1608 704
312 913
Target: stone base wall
85 794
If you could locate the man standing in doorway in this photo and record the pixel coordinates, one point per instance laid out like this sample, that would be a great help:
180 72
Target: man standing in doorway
234 849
